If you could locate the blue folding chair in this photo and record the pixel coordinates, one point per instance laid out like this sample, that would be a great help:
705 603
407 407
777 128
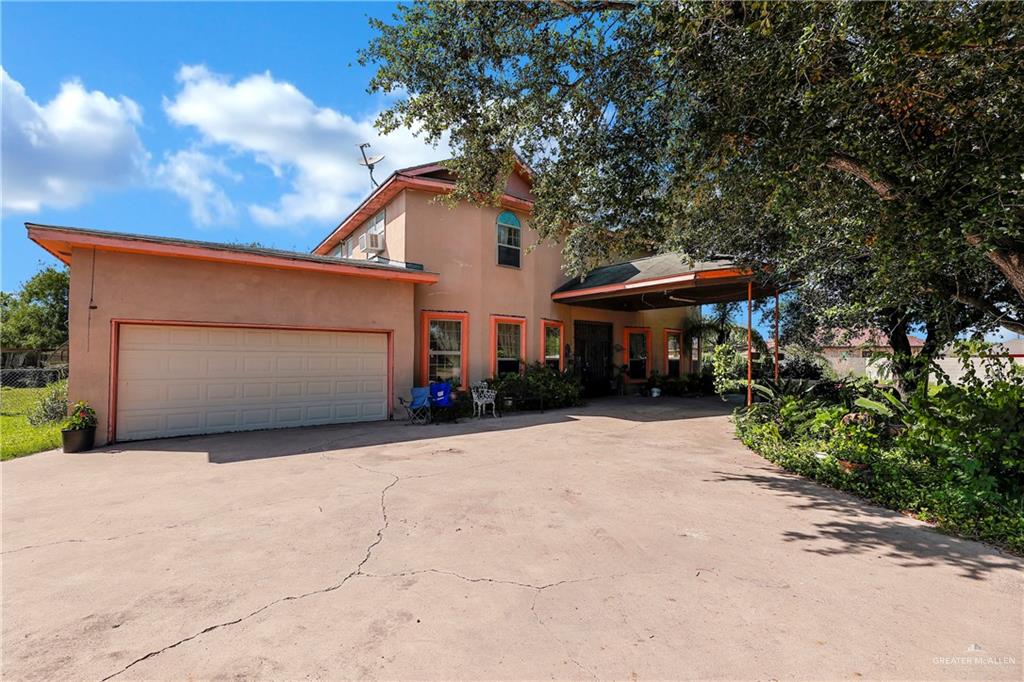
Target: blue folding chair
418 407
442 400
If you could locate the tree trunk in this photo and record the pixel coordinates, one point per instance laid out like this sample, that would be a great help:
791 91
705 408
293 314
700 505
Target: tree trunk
1010 261
904 375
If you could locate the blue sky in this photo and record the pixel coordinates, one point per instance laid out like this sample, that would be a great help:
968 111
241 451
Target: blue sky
224 122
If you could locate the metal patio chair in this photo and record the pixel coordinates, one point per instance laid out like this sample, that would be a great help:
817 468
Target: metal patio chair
484 395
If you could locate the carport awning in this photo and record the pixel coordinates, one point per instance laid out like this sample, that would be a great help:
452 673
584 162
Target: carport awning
663 281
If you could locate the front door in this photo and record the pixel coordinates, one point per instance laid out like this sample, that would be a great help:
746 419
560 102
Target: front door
593 355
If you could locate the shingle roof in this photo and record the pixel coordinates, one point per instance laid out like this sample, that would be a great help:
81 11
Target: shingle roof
220 246
874 337
651 267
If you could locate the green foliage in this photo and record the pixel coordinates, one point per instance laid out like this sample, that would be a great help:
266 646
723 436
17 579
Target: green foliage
727 367
81 417
954 456
52 406
538 382
868 151
802 363
37 316
17 436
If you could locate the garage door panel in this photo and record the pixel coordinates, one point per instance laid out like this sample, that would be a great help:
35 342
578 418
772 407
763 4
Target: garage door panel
227 338
374 343
228 391
176 381
182 392
258 419
260 391
320 363
183 422
373 364
217 364
318 388
187 336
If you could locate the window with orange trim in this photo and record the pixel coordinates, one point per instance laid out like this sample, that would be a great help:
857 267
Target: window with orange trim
673 352
444 348
508 344
552 343
637 349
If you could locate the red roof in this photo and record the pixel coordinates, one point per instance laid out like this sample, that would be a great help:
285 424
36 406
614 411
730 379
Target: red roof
418 178
870 338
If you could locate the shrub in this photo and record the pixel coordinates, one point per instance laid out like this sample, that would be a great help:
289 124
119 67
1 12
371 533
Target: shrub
52 406
538 382
954 456
802 364
727 366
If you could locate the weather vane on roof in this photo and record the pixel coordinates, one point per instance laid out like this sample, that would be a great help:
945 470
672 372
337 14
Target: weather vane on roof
370 161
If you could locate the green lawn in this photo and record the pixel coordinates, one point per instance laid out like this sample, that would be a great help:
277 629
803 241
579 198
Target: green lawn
17 436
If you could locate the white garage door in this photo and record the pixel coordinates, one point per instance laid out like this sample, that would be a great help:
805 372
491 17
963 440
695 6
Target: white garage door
175 381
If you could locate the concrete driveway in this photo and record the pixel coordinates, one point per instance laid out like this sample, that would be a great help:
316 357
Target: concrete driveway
628 539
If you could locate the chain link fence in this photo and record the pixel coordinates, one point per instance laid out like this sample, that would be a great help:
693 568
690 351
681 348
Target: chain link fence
22 387
32 377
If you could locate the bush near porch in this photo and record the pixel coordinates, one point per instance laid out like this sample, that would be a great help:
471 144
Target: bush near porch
538 385
952 455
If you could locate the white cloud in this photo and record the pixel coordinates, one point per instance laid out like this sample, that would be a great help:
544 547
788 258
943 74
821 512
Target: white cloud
57 153
313 147
190 174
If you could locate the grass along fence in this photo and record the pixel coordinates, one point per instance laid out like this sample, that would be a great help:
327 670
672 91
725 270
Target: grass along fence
21 393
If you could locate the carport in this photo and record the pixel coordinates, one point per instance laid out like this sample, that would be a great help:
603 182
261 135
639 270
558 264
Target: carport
669 281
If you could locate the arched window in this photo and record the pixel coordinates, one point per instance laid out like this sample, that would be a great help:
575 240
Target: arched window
509 240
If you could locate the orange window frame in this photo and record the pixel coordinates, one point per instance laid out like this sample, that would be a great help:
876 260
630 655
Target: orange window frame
560 326
425 318
682 349
646 331
507 319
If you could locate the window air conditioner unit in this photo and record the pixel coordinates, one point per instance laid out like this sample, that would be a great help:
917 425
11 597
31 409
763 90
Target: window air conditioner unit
371 243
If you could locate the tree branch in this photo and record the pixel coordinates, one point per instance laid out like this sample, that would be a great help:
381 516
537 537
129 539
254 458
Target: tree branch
991 310
574 8
884 187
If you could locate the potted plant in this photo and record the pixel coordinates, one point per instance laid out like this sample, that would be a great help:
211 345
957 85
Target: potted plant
80 428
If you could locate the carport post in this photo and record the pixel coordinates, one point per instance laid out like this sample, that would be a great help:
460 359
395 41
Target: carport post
776 336
750 343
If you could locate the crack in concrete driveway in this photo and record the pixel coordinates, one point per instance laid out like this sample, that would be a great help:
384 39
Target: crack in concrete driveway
631 538
331 588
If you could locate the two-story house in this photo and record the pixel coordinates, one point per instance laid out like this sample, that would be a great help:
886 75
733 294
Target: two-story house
173 337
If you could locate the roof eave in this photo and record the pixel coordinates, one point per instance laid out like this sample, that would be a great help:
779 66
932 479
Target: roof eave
390 188
60 241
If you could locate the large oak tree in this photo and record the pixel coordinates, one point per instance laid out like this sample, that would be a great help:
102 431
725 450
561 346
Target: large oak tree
869 151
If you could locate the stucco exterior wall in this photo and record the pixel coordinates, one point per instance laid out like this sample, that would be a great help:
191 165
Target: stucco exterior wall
131 286
394 233
460 243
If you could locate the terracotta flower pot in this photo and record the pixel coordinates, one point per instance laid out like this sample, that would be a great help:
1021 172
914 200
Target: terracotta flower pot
852 467
78 440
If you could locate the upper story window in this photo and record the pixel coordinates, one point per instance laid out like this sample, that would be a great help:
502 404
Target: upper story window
375 225
509 239
371 242
343 249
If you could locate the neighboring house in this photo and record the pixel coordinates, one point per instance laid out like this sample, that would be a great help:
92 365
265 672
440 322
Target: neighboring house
173 337
1009 352
852 354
